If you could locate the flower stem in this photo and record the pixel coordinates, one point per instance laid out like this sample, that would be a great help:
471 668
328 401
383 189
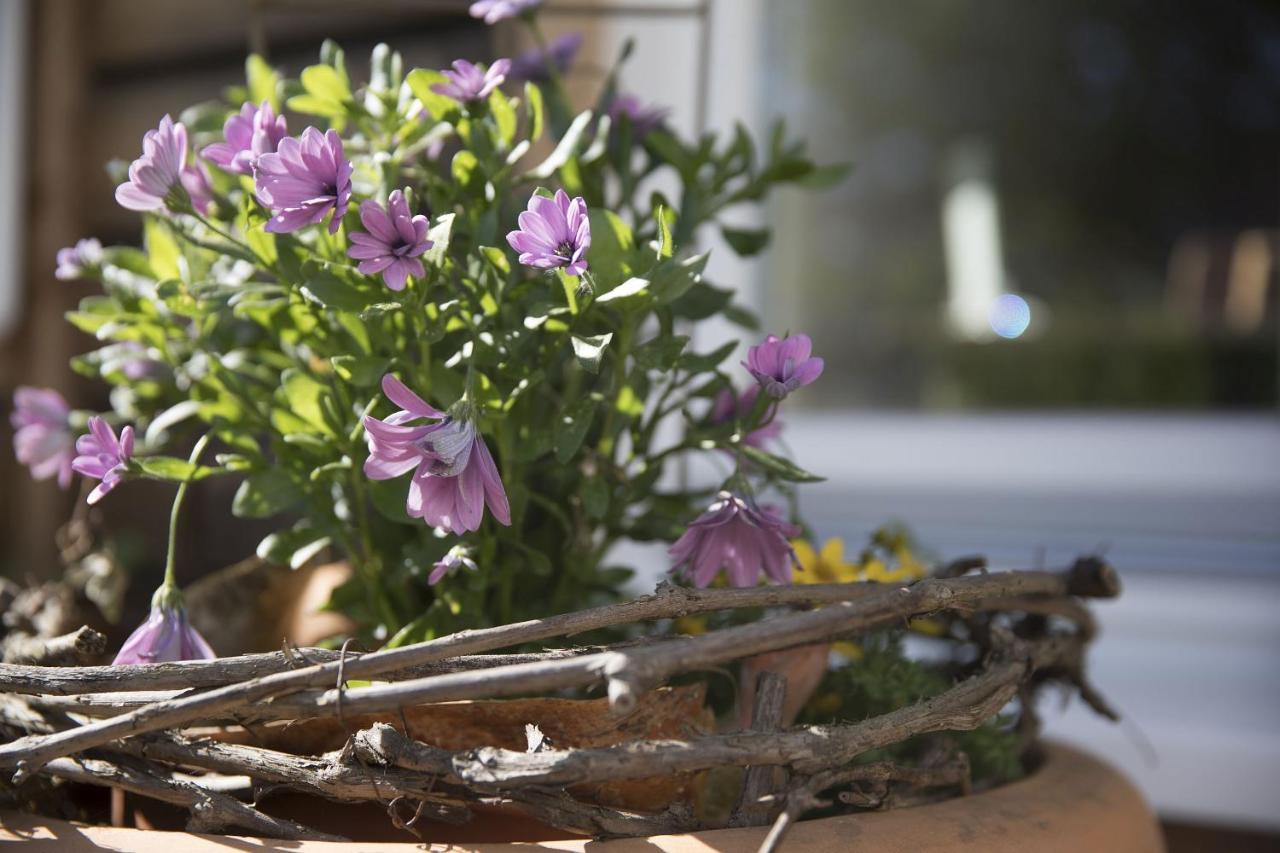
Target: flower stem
170 578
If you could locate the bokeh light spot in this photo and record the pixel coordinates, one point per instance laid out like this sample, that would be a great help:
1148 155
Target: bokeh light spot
1009 315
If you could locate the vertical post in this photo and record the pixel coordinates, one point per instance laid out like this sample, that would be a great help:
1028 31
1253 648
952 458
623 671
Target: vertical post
766 716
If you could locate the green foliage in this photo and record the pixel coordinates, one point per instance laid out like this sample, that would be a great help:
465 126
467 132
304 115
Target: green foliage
277 345
884 680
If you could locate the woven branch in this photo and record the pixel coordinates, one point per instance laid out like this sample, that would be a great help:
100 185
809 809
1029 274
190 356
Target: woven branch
140 710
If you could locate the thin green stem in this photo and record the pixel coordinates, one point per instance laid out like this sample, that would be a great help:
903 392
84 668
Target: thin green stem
170 576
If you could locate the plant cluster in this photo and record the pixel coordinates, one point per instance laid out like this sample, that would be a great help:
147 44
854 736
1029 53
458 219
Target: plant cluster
443 326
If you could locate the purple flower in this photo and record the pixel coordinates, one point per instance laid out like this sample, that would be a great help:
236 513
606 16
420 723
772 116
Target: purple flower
740 537
643 117
467 82
554 232
499 10
102 456
395 240
459 556
75 261
783 365
132 359
153 175
165 636
303 180
196 182
42 438
533 64
455 476
729 405
250 133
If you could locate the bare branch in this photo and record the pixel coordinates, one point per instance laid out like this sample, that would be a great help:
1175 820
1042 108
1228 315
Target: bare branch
758 781
626 672
80 646
211 810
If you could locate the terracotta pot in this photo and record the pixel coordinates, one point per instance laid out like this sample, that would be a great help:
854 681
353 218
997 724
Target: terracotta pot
1071 803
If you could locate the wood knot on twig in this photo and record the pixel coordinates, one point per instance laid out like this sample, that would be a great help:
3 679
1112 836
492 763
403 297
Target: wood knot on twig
1093 577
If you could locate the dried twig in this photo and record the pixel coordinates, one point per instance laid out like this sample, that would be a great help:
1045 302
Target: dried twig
201 674
80 646
626 672
807 749
759 781
805 796
210 809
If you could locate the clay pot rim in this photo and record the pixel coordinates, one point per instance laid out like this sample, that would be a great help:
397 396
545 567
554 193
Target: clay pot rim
1072 802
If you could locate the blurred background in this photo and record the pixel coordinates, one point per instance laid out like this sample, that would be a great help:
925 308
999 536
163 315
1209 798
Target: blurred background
1047 296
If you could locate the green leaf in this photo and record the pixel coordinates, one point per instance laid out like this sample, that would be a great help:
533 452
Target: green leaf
629 288
463 166
420 81
590 349
497 257
388 497
740 316
175 470
563 151
779 467
300 409
669 150
611 246
661 352
695 363
536 111
674 277
361 371
573 427
293 547
175 414
439 234
825 177
504 115
701 301
162 250
746 242
264 81
666 219
265 493
330 291
328 89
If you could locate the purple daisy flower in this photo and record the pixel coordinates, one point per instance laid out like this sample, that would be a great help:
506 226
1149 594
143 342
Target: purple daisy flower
153 175
643 117
554 232
165 636
493 11
729 405
458 557
533 64
102 456
781 365
744 539
304 180
42 438
395 240
454 475
250 133
196 182
467 82
74 261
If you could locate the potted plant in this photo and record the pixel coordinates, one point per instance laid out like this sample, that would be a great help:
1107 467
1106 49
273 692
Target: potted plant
440 328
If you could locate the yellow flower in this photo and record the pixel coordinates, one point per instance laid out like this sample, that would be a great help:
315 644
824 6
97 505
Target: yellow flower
825 566
691 625
848 650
